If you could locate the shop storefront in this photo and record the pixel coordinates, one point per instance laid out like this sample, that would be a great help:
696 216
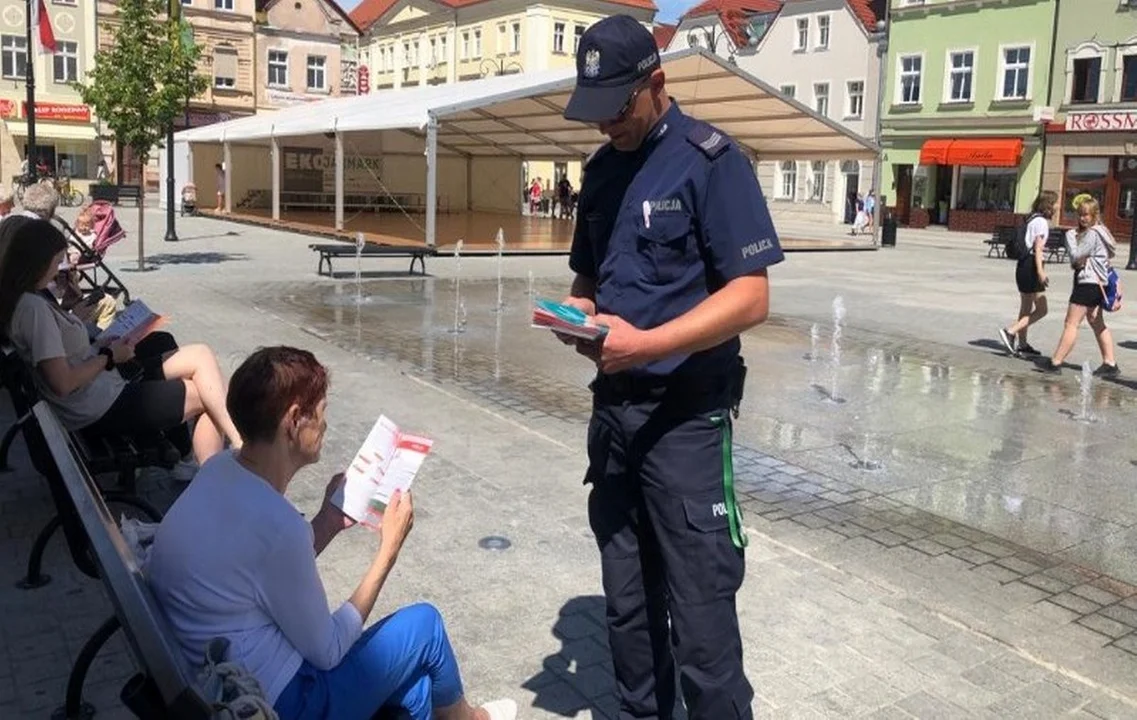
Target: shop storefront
966 184
67 143
1095 153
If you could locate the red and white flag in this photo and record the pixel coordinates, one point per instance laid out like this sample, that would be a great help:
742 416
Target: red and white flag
41 22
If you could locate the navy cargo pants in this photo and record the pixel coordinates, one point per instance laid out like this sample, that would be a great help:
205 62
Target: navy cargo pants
663 510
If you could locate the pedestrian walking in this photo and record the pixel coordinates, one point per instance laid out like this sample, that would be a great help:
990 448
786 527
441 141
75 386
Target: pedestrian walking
670 252
1091 249
1030 275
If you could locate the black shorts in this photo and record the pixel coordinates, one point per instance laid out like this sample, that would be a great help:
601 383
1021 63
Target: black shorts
1086 295
145 407
1026 276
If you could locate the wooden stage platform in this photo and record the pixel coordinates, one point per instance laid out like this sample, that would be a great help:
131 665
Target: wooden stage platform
523 234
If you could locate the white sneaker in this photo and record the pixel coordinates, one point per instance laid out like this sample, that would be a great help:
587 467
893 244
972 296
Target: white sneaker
501 710
184 471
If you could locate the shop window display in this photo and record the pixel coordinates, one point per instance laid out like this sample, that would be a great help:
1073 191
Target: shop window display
987 188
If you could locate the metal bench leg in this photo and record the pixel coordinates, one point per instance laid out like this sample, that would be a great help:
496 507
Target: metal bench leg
6 445
35 579
74 708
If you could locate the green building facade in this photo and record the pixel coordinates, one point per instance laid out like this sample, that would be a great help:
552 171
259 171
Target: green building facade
965 108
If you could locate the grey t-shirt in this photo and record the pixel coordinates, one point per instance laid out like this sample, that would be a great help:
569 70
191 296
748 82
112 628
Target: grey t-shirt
41 332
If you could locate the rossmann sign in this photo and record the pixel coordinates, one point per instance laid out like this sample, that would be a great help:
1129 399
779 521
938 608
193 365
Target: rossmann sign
1120 121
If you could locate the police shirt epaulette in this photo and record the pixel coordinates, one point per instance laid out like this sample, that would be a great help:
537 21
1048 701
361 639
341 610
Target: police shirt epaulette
708 139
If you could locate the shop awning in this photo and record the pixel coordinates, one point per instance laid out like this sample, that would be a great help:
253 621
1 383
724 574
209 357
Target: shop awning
934 152
53 131
983 152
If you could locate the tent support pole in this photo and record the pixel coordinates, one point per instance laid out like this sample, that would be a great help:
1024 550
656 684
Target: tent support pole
431 179
339 180
275 179
227 154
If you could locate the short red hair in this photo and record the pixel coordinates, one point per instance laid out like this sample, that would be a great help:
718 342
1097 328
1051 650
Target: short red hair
270 381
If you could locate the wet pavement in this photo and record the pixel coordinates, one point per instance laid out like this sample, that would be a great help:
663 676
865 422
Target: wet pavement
1006 452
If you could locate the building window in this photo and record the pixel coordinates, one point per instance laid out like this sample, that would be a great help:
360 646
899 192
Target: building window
821 98
1086 79
987 188
465 45
911 75
577 34
66 61
788 169
278 67
224 67
801 38
1084 175
478 43
558 37
382 63
855 94
788 90
14 50
443 56
223 5
515 42
1129 78
317 72
961 69
822 32
1016 73
502 39
817 192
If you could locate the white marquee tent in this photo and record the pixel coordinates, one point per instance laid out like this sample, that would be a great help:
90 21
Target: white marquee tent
516 117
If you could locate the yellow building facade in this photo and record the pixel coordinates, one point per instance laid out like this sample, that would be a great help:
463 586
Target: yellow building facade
408 43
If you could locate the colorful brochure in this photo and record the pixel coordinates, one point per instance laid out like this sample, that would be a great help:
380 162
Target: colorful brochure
565 319
388 461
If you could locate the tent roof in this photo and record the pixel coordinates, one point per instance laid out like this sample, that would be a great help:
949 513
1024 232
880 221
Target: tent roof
520 115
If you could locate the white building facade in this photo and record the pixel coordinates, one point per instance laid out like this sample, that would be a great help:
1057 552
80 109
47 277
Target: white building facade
822 53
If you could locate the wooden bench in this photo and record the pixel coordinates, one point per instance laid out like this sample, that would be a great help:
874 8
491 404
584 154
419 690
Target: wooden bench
129 192
328 251
1055 247
1001 238
164 686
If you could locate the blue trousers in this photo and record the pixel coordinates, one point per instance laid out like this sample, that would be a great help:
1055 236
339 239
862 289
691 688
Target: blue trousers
403 661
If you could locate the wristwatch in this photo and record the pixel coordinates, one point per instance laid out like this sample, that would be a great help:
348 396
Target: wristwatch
109 355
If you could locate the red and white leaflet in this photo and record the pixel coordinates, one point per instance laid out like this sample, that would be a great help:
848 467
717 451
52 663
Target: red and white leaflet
387 461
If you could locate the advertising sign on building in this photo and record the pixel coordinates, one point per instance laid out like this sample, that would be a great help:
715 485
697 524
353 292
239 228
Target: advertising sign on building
364 80
9 109
314 170
60 112
1107 121
280 97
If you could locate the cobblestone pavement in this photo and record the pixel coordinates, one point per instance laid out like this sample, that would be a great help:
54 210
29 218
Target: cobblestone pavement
861 599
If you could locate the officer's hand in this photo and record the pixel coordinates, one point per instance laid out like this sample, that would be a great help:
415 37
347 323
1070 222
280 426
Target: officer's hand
625 345
588 348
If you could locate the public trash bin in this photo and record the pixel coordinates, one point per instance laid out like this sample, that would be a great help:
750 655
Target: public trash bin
1132 264
888 231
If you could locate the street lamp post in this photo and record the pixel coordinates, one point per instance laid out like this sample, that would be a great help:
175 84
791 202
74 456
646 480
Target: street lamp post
490 66
878 166
171 231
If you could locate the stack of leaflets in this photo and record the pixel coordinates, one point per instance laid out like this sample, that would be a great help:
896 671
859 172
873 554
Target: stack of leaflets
388 461
135 322
565 319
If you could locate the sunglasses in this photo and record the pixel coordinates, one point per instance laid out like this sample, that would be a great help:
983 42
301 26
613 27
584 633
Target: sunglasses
631 100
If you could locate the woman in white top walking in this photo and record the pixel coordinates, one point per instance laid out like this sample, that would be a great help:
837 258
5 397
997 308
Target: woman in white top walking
1030 276
1091 248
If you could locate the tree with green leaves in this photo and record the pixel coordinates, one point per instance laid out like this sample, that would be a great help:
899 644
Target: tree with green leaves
142 82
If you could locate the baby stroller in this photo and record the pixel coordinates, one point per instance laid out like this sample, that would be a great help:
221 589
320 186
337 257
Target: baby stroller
96 277
189 199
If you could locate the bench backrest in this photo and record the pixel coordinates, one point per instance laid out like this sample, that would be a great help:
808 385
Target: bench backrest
143 622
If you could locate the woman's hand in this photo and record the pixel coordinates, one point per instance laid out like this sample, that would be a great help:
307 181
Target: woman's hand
121 350
328 509
398 519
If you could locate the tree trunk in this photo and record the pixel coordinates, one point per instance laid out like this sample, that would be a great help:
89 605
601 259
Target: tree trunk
141 213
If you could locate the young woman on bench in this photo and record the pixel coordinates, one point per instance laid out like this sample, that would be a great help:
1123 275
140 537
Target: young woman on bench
75 375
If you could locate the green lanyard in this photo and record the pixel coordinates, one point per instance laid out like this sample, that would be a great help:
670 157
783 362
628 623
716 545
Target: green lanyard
733 512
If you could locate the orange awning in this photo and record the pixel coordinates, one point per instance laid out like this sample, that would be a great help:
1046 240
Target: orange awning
989 152
934 152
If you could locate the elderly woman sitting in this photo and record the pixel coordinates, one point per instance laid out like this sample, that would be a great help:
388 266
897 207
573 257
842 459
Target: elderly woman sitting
234 559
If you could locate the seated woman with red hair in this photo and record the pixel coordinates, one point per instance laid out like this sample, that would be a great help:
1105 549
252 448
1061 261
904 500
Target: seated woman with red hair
233 558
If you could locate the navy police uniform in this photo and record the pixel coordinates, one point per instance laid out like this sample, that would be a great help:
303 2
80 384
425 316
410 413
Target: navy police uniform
659 230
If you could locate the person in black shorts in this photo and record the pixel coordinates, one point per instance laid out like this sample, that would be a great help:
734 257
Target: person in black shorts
1030 276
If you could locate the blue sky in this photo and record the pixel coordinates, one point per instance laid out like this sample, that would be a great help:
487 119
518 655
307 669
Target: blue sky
669 10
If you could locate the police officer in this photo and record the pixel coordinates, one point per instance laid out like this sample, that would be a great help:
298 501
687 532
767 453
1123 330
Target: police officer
670 252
